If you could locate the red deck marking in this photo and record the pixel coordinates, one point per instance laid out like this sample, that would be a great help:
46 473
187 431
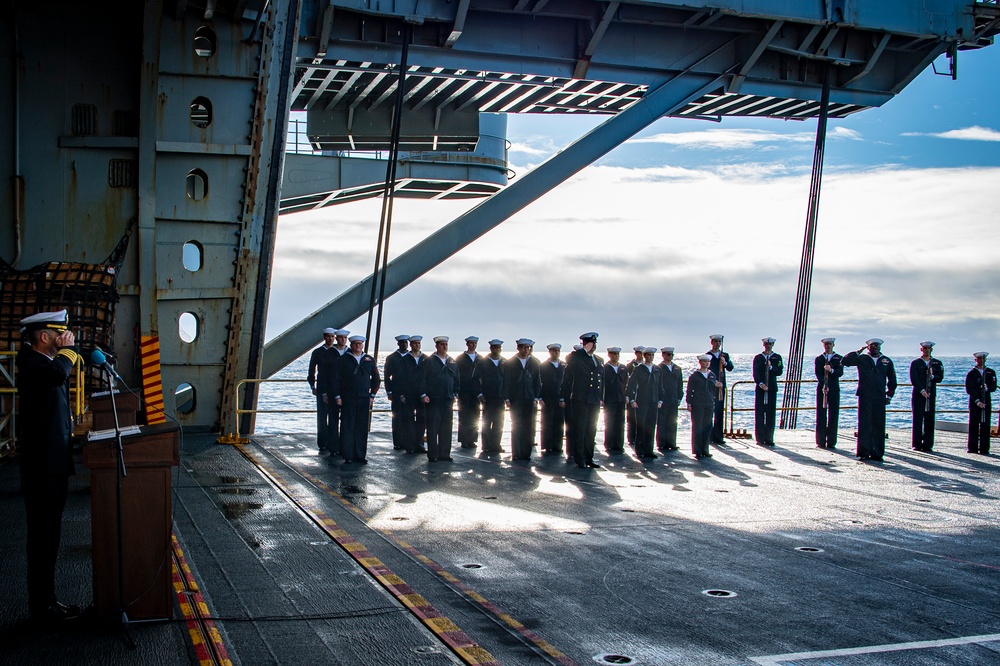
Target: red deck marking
205 638
447 631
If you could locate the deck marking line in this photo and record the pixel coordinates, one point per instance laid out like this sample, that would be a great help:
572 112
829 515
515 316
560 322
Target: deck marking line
920 552
205 637
527 634
776 659
446 631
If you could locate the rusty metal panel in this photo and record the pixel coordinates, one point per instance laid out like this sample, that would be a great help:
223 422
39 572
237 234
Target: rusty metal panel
226 179
217 246
185 50
230 102
209 345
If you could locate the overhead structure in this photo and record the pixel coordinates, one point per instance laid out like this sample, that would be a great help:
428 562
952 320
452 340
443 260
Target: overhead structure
171 120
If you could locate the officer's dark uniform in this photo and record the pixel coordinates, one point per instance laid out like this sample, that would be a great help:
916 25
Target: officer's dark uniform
582 389
439 382
720 361
828 418
702 394
492 376
630 425
324 381
468 400
553 416
672 386
876 386
359 382
924 378
980 386
766 370
615 381
45 425
523 386
645 391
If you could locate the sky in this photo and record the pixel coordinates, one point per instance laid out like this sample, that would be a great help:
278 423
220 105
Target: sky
693 228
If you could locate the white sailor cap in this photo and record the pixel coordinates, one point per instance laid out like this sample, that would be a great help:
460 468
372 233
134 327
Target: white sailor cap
927 343
402 337
769 341
525 341
980 354
616 350
830 340
716 336
496 342
416 338
357 338
874 341
590 336
472 338
577 347
705 357
329 331
342 333
58 321
667 350
649 350
440 338
553 345
638 349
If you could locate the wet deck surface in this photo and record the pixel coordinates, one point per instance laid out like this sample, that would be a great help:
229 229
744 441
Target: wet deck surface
304 559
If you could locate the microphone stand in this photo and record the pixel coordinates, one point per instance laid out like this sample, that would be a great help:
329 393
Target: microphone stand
120 473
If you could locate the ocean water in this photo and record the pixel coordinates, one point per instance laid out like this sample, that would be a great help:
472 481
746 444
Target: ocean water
287 406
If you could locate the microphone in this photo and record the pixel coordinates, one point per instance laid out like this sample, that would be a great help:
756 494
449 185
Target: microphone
98 358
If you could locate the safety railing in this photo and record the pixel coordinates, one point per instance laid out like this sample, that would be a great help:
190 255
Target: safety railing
844 407
241 412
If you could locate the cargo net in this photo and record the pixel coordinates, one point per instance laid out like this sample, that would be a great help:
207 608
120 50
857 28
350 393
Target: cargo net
88 292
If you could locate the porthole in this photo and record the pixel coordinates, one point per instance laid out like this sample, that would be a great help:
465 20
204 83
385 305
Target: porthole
187 327
201 112
192 256
197 184
184 399
204 42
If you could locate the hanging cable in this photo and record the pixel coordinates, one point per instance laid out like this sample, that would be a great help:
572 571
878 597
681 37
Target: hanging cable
388 196
796 348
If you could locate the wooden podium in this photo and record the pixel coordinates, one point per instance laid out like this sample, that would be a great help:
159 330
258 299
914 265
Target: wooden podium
146 521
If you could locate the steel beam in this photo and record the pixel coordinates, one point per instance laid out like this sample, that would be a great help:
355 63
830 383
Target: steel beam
465 229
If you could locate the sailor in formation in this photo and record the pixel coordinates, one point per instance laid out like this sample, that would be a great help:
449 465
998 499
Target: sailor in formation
491 375
926 372
523 382
359 382
720 364
323 380
828 368
439 388
702 396
980 384
469 400
672 388
553 416
876 386
582 389
414 411
629 409
767 367
615 381
645 393
393 369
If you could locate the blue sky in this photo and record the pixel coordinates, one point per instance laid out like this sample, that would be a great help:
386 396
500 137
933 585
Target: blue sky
693 228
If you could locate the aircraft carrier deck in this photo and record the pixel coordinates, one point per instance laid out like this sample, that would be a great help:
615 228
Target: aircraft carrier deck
790 555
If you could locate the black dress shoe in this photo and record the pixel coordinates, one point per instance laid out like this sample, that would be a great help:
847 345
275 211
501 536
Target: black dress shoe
579 466
56 612
593 465
446 459
361 462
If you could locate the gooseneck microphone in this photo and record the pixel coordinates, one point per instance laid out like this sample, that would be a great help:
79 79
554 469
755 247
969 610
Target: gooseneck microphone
98 358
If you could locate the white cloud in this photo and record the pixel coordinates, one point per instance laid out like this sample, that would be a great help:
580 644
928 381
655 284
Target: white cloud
737 139
974 133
